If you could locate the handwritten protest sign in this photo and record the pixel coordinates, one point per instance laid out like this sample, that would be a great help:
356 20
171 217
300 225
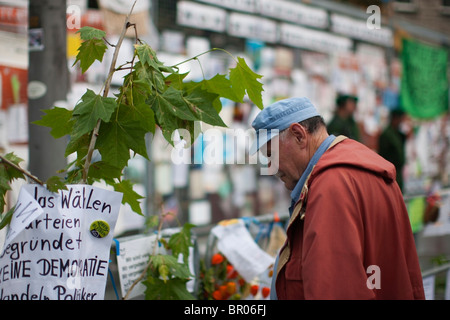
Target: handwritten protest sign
58 244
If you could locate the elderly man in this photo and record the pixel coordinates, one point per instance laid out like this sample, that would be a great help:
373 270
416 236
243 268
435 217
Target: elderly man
349 235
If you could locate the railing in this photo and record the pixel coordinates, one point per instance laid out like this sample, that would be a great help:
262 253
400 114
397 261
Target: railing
433 291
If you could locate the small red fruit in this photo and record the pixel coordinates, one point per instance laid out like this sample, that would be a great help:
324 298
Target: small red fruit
265 292
254 289
217 259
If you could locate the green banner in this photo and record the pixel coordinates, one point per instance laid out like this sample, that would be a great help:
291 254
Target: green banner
424 83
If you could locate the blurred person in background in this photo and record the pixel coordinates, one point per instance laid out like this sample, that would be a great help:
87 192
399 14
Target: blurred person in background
343 122
391 143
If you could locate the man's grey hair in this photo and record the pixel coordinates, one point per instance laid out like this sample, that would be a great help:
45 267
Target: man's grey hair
311 125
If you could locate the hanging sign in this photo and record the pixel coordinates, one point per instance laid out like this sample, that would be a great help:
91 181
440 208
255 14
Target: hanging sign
306 38
200 16
252 27
58 244
424 83
294 12
357 29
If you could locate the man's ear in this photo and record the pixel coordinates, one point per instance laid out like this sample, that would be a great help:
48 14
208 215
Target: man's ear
299 132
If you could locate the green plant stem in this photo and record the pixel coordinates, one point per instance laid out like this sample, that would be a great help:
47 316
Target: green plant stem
200 54
35 179
112 69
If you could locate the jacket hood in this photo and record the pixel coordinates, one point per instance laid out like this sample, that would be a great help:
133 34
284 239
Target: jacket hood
349 152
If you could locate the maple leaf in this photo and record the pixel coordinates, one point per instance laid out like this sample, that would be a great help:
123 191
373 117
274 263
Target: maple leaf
88 52
221 85
200 102
147 55
7 175
181 241
166 119
172 100
58 119
244 80
87 33
92 108
118 136
6 219
55 183
129 195
102 170
172 289
92 48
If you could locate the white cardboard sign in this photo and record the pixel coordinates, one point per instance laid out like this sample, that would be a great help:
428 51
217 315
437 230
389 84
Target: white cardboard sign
58 244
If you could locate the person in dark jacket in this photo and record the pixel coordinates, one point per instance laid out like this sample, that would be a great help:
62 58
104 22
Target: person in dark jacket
391 144
343 122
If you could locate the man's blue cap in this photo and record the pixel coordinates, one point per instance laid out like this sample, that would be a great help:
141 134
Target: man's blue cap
279 116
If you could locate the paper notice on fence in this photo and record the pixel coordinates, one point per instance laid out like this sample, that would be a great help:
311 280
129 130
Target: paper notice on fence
238 246
132 257
133 254
58 244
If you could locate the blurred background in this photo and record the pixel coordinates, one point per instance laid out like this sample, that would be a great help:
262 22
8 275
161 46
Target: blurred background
388 56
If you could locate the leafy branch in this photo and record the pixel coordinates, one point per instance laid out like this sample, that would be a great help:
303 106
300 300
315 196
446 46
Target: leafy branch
152 95
105 91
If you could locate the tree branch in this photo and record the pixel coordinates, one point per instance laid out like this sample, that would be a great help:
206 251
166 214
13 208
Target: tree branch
15 166
112 69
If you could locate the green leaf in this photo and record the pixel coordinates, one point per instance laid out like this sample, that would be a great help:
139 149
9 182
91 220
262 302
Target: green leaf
55 183
143 114
101 170
79 145
199 101
92 108
88 33
129 195
221 85
243 80
163 270
175 80
150 75
9 172
180 242
152 221
148 56
118 136
7 175
89 51
175 268
6 219
167 121
173 101
173 289
4 187
58 119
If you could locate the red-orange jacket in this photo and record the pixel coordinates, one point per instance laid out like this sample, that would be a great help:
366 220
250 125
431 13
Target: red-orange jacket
349 236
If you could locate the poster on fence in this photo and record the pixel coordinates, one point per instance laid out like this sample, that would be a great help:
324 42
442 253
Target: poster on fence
133 254
58 244
132 257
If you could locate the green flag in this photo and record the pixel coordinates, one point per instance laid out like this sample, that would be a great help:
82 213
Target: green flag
424 84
